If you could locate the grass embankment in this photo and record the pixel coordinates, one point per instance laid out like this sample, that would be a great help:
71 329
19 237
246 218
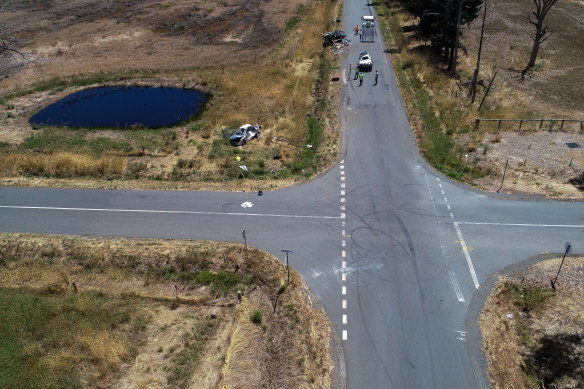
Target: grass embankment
285 91
433 115
443 118
152 313
532 334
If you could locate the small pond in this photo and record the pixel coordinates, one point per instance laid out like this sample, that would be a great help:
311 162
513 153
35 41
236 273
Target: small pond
122 106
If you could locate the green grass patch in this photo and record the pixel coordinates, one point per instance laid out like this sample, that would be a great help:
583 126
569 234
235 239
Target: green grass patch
42 336
184 362
53 139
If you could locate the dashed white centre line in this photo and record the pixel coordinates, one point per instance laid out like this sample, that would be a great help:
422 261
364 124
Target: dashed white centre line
343 276
343 185
342 193
344 334
344 290
343 178
342 199
343 254
344 304
448 206
344 319
343 243
342 207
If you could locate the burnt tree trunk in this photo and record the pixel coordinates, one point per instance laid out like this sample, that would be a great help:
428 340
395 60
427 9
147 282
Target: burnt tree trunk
542 32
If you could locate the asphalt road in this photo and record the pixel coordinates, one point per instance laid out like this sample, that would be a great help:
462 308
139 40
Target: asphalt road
394 250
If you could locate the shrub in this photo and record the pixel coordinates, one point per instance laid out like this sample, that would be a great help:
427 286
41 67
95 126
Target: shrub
256 316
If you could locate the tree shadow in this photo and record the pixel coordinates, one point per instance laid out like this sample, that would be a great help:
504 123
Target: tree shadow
560 356
578 181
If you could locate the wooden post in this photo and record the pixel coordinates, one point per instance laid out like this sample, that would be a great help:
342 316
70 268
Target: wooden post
478 122
562 125
499 126
520 124
540 124
276 303
504 172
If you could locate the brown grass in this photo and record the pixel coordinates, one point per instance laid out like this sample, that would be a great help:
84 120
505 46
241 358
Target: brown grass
516 347
552 92
268 79
289 349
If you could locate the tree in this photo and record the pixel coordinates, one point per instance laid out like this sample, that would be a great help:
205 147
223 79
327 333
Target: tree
440 21
11 55
542 32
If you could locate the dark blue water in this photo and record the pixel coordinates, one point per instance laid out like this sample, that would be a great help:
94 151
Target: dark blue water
122 106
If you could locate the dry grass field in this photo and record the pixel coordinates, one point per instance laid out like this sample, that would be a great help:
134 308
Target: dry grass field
540 161
260 62
118 313
533 334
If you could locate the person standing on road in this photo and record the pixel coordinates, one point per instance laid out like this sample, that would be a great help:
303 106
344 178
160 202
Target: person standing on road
361 75
376 76
356 72
357 29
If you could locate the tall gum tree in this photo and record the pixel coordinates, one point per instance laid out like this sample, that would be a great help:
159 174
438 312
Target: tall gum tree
542 30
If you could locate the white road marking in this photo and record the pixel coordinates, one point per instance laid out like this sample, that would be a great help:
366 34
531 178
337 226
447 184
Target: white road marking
440 185
344 290
342 172
342 192
442 192
343 185
342 207
343 265
343 276
342 167
342 224
445 199
344 304
171 212
343 243
342 199
448 206
247 204
467 256
344 334
343 233
342 161
437 179
342 178
451 215
343 253
524 225
451 274
344 319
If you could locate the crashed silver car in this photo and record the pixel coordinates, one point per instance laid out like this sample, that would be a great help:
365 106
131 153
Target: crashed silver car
245 133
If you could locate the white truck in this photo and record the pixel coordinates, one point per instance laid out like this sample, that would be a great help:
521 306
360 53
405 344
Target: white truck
367 28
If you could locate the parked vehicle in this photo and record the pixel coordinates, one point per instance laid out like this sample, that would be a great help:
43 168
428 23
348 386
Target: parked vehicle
244 134
365 62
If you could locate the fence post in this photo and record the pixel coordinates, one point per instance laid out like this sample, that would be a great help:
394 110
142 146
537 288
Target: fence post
520 123
499 126
562 125
540 124
478 122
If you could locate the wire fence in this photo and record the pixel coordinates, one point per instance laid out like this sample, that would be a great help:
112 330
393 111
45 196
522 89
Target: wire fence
567 125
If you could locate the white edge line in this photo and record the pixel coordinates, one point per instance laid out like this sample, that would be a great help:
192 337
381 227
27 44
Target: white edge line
524 225
467 255
171 212
344 334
